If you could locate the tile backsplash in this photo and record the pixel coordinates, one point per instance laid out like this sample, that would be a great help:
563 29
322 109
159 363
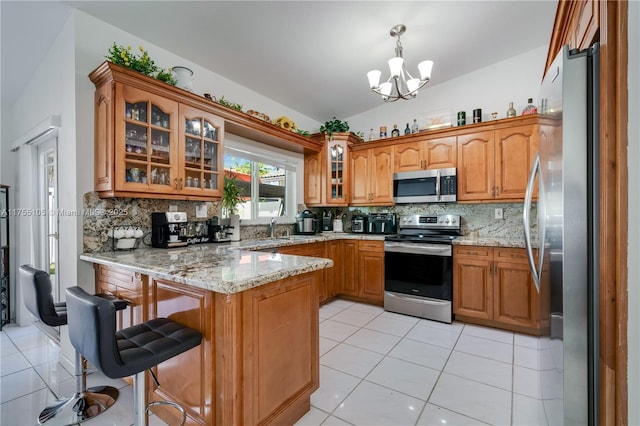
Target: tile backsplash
477 218
103 214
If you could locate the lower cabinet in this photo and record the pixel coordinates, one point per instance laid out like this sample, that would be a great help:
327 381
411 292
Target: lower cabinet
493 286
237 374
123 285
313 250
358 268
362 263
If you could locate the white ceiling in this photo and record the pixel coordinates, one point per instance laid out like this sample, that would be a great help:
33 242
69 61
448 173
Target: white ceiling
309 55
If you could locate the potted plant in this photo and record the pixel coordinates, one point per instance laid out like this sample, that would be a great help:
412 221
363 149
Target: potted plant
231 196
334 126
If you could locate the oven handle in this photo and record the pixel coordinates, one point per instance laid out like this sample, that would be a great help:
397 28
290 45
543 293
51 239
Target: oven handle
424 300
426 249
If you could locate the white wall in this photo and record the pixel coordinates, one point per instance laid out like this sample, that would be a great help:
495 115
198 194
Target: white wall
633 326
490 88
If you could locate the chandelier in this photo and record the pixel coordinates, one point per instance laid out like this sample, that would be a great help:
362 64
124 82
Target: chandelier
400 84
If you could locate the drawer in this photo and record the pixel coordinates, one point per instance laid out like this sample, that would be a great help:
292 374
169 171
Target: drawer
311 249
365 245
119 277
511 255
473 251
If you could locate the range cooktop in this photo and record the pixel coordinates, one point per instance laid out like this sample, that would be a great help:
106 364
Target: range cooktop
440 229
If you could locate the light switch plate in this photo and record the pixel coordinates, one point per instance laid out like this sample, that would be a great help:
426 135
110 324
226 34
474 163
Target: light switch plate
173 208
499 213
201 211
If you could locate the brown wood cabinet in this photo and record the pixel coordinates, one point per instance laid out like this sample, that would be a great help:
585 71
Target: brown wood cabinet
494 164
371 271
349 282
493 286
333 275
313 250
243 371
428 154
327 173
153 140
124 285
362 270
372 177
147 144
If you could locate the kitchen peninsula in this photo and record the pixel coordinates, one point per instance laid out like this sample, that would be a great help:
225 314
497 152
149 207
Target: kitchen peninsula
252 309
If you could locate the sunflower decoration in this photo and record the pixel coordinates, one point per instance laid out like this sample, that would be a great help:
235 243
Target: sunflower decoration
285 123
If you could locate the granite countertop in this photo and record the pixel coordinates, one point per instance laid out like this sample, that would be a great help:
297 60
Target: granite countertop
238 266
467 240
222 269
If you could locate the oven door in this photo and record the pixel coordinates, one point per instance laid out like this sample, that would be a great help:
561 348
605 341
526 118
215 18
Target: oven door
419 269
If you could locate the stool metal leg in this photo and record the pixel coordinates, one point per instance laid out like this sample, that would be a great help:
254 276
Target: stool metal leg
142 409
83 405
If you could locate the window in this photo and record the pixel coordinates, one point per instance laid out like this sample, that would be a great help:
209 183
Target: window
267 184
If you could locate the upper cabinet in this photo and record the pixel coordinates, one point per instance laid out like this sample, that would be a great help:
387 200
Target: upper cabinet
577 24
327 173
162 147
153 140
495 164
437 153
372 177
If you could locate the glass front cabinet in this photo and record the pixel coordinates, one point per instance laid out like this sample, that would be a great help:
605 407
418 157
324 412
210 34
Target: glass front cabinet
153 140
166 147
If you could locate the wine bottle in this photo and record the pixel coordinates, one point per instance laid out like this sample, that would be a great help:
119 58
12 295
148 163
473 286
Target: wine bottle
407 130
511 112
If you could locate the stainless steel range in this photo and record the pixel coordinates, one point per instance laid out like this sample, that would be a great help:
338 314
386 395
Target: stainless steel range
419 266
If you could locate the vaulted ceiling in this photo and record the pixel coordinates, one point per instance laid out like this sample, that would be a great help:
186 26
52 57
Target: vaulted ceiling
309 55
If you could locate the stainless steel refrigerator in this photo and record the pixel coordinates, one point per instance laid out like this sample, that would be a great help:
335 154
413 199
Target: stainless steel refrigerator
565 269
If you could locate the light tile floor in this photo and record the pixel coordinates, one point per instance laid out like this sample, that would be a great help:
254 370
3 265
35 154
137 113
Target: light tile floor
376 368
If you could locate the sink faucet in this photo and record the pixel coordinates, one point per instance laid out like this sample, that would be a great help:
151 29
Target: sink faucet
272 226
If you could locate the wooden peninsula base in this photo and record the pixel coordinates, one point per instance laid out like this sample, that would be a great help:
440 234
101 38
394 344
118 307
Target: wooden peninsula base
259 358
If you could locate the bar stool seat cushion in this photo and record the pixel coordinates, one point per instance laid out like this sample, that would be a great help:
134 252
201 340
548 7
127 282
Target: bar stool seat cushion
130 350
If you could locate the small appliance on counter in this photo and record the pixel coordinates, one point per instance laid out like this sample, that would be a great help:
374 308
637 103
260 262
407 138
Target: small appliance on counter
168 229
307 223
218 233
359 223
196 233
382 223
327 221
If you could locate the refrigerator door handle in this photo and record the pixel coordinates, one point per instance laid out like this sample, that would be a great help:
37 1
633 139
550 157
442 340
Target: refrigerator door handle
527 221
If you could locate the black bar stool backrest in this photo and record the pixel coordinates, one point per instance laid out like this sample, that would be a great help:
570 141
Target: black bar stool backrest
38 297
92 330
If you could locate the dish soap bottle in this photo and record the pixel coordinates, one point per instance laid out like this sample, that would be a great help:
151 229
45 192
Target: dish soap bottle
395 132
511 112
530 108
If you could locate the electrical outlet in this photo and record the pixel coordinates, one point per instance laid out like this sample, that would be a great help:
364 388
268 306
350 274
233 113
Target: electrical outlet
201 211
499 213
173 208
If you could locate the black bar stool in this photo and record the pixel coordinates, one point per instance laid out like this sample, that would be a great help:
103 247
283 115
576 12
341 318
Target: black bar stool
85 403
130 351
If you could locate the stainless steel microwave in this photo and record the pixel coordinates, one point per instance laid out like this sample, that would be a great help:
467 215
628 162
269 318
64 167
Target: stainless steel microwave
425 186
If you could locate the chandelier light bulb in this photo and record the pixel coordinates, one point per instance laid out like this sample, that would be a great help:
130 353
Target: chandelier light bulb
400 84
374 78
425 70
395 66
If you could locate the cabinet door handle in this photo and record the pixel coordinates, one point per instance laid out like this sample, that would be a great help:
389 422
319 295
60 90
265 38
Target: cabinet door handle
176 182
181 184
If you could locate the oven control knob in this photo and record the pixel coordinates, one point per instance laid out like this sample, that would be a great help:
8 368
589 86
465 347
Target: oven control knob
447 221
453 220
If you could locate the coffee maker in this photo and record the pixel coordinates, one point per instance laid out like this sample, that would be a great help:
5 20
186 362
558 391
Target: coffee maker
167 229
218 233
